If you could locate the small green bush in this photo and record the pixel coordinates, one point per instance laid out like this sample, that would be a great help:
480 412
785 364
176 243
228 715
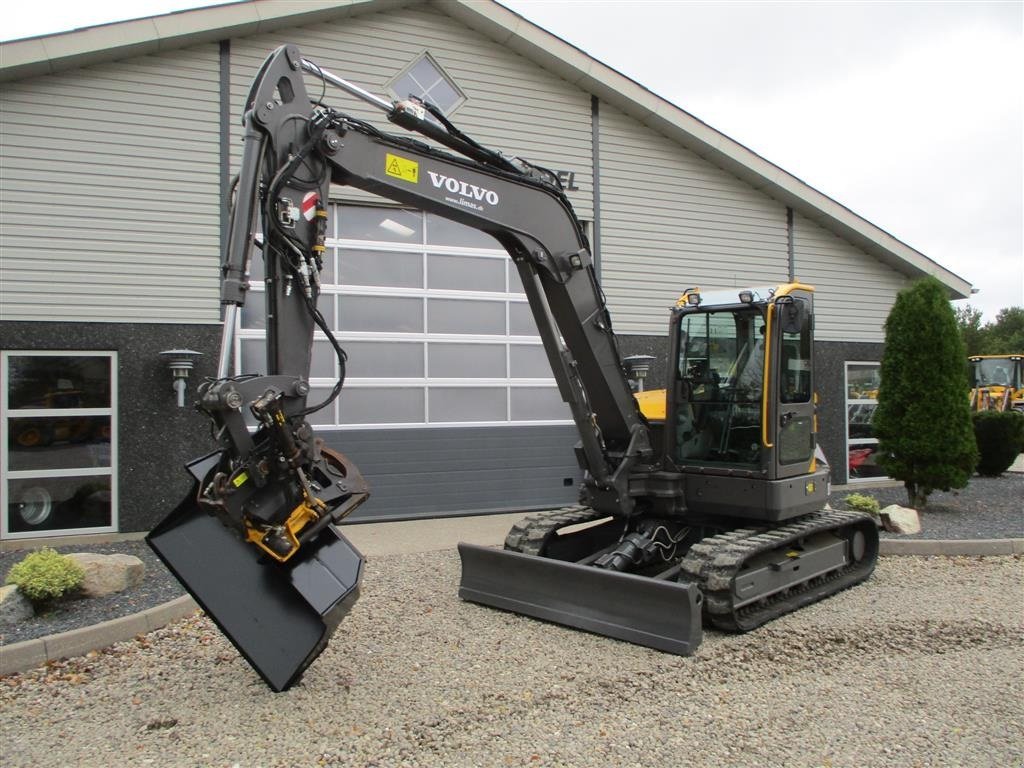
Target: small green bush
1000 436
46 575
863 503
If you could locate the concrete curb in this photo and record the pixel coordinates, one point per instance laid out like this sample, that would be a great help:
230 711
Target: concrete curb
19 657
952 547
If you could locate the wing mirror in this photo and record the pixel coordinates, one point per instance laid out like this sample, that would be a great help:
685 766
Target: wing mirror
793 316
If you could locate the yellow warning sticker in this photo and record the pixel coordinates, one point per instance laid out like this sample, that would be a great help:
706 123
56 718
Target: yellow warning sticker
240 479
402 168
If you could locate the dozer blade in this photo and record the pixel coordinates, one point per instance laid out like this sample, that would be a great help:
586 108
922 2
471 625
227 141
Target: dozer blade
660 614
278 616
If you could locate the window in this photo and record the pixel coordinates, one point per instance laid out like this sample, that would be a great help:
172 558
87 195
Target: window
861 400
722 366
424 79
60 430
796 432
435 323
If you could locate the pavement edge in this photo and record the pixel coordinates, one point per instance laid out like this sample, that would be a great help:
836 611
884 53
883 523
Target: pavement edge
18 657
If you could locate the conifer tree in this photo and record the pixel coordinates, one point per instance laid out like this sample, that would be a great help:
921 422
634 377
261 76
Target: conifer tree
923 419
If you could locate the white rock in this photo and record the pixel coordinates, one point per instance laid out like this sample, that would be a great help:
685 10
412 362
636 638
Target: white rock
897 519
14 606
106 574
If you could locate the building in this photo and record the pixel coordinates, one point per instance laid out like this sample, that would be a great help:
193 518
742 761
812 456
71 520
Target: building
118 146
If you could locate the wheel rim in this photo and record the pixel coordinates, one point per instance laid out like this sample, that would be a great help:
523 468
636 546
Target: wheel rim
35 506
29 438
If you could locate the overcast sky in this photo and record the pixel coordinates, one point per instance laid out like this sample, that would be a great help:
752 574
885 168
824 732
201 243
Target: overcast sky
909 113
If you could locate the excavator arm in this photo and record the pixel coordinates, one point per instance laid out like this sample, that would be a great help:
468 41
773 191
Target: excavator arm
255 541
306 148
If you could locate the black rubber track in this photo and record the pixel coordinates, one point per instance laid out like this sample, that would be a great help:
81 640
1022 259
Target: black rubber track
715 562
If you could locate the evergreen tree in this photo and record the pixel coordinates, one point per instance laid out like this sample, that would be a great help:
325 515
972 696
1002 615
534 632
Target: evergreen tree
923 419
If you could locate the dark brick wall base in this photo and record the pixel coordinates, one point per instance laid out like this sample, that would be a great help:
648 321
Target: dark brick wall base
155 437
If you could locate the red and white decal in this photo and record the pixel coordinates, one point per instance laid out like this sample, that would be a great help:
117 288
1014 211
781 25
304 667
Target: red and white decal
309 202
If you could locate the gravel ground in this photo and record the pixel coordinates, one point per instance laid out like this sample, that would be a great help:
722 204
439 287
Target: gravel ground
920 666
989 508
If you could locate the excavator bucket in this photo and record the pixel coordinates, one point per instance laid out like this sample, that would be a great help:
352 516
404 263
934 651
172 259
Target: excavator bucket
278 615
657 613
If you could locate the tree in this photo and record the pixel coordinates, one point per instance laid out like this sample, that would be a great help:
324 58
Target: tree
1003 336
923 419
1006 335
968 320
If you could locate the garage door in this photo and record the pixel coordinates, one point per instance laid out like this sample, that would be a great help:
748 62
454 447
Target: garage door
449 405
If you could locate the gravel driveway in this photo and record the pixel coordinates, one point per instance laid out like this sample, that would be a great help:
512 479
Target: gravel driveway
921 666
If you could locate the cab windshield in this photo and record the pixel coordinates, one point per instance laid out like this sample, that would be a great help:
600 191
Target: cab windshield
721 367
996 372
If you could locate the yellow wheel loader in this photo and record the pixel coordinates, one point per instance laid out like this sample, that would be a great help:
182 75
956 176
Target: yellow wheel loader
997 382
709 508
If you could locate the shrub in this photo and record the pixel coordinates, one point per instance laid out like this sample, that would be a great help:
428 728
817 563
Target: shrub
923 418
45 575
1000 436
863 503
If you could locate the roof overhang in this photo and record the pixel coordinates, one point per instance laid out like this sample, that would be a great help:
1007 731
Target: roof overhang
49 54
53 53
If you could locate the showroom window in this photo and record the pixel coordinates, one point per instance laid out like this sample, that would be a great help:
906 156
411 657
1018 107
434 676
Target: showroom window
60 430
434 320
861 400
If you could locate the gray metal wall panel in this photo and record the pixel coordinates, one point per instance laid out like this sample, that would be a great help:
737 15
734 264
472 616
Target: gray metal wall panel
512 104
854 291
109 198
670 220
438 472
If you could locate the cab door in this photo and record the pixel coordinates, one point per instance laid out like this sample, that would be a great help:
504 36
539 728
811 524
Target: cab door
791 414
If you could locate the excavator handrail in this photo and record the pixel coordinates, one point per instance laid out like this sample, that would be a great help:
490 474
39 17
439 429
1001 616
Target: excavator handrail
766 369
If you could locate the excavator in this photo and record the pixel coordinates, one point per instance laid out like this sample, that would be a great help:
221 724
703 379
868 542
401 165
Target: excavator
703 502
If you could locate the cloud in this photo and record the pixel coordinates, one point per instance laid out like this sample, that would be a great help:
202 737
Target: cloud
910 114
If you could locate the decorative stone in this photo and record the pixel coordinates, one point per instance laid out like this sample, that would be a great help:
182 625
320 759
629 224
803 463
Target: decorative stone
902 520
14 606
107 574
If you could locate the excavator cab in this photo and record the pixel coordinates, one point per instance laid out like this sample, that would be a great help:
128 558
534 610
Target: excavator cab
742 399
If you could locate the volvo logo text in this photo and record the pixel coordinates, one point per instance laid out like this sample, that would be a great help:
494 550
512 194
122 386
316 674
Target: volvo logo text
456 187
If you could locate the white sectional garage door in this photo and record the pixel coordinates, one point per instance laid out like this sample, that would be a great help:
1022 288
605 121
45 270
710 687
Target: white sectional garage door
439 339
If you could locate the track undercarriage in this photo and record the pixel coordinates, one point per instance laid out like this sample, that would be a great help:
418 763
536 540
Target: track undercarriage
737 578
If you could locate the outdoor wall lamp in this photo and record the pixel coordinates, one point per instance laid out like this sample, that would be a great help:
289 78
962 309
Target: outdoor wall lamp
181 362
637 367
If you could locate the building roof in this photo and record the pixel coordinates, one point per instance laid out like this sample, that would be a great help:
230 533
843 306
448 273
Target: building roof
53 53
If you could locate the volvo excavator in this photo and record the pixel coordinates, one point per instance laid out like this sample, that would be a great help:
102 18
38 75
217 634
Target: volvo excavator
703 502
